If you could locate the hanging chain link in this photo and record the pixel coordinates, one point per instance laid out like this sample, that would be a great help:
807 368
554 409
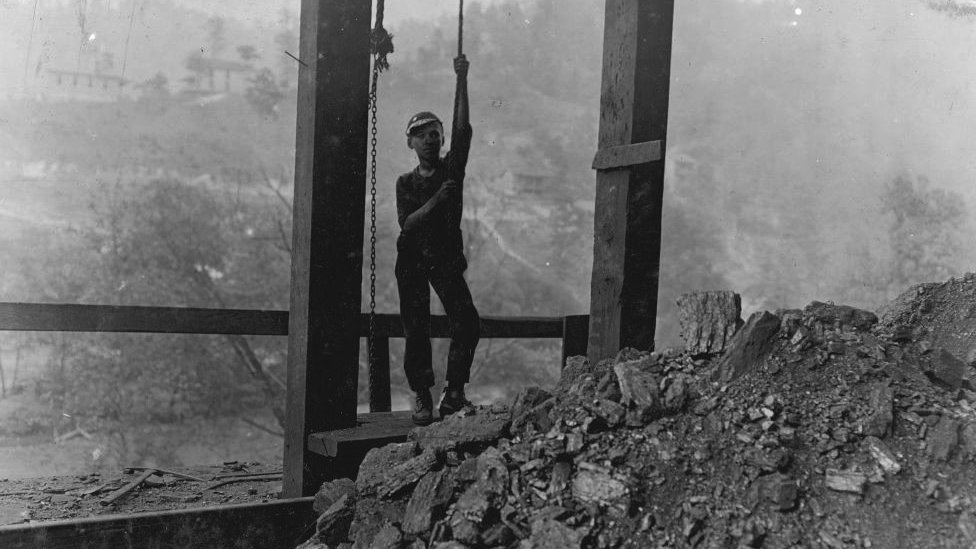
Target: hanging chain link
372 223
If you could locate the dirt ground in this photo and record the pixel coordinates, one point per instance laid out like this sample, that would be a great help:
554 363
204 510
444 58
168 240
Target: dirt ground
81 496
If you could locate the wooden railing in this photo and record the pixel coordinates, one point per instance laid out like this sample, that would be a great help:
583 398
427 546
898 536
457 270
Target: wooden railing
43 317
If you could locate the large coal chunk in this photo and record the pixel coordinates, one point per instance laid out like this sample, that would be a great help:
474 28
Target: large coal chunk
475 432
709 320
840 316
749 347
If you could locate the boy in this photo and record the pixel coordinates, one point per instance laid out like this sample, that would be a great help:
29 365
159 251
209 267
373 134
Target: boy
430 253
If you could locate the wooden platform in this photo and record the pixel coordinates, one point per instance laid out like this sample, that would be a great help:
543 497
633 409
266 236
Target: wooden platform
347 447
276 524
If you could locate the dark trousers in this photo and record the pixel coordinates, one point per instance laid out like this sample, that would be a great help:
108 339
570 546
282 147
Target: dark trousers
414 280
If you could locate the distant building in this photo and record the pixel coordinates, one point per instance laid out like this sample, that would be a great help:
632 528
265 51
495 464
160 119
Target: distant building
65 85
209 75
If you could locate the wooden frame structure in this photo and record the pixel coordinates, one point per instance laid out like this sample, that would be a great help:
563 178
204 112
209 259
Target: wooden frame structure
330 190
325 324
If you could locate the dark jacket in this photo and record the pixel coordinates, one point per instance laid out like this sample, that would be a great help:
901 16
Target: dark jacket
437 243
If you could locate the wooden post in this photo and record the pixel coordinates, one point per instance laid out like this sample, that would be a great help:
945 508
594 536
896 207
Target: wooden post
575 328
379 374
327 226
630 176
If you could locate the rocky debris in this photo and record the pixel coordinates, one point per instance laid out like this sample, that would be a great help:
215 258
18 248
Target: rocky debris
333 524
530 411
749 346
548 533
708 321
582 378
595 485
946 370
967 525
885 458
480 505
389 537
840 316
846 481
777 489
944 438
880 415
330 492
938 314
373 515
639 389
827 431
428 502
379 461
465 431
407 473
967 440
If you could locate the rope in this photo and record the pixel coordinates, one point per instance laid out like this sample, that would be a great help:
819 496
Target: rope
460 28
381 41
82 19
30 41
128 35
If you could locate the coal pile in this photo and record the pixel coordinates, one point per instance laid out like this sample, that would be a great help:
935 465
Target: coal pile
825 427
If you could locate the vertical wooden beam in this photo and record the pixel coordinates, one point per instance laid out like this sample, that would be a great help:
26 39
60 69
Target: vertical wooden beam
575 328
627 224
327 227
380 399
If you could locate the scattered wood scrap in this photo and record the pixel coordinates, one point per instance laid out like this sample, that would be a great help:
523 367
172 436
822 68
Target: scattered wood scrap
121 492
165 472
255 477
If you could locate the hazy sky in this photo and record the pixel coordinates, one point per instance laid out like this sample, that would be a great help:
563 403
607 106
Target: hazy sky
264 9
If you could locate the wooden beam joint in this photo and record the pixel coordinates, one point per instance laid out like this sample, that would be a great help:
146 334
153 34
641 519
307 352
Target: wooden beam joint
624 156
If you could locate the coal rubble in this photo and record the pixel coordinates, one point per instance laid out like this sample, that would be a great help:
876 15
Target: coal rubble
821 428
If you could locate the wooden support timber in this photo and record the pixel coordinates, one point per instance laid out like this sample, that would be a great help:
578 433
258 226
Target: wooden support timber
627 223
283 524
60 317
327 231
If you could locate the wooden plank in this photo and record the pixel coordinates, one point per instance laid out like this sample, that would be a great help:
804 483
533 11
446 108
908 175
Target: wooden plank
389 325
283 523
625 156
161 320
627 221
379 374
609 223
380 427
345 449
60 317
642 263
327 231
575 336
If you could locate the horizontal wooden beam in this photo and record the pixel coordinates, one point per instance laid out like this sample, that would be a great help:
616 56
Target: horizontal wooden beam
49 317
388 325
283 523
625 156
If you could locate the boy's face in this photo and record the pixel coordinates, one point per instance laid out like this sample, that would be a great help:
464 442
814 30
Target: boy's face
427 141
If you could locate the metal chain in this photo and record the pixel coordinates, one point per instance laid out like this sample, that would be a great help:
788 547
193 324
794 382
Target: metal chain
372 225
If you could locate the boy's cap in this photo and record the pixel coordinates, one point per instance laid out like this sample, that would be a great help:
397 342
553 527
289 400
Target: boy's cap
422 119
